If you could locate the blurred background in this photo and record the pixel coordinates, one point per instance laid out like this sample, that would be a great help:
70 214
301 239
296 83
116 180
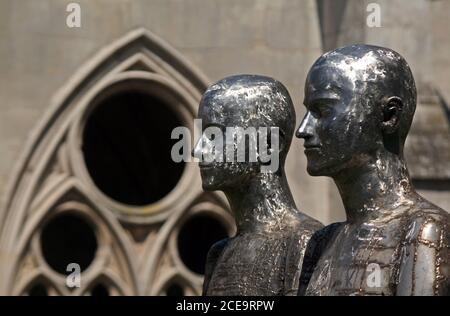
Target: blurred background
91 90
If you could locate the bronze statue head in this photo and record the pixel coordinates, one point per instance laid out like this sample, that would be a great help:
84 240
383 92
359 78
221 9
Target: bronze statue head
249 103
360 100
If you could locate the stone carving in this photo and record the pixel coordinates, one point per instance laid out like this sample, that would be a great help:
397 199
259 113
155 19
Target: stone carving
137 251
360 103
265 256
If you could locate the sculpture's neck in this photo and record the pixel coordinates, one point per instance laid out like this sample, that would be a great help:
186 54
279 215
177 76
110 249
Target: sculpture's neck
264 203
378 185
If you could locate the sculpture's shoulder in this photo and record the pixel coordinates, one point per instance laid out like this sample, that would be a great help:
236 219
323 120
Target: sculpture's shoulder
212 257
297 228
306 225
301 236
317 244
424 267
429 224
312 223
216 250
297 237
301 231
324 235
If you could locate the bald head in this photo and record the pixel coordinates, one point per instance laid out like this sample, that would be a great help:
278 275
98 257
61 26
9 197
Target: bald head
360 101
250 101
374 73
258 118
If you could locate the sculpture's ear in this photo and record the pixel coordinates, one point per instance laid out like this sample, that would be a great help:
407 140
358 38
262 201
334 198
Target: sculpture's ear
392 111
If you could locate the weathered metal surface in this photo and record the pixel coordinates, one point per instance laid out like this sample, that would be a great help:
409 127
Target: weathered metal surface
265 256
360 102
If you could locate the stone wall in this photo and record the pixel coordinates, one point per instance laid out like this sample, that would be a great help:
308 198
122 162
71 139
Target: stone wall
38 53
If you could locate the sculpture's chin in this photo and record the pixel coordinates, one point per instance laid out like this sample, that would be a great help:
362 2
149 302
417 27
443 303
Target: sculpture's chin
314 171
325 170
322 172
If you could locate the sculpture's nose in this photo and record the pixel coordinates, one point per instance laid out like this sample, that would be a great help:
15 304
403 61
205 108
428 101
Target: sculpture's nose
304 130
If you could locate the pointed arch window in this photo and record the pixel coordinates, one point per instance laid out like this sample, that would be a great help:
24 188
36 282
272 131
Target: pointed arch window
98 161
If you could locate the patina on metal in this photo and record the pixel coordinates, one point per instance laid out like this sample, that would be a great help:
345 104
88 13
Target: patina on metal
265 255
360 102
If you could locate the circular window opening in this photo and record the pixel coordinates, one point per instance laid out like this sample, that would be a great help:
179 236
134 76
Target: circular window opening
127 148
195 239
68 239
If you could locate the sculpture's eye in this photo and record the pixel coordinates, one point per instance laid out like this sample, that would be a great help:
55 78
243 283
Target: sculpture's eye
326 111
321 109
315 113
